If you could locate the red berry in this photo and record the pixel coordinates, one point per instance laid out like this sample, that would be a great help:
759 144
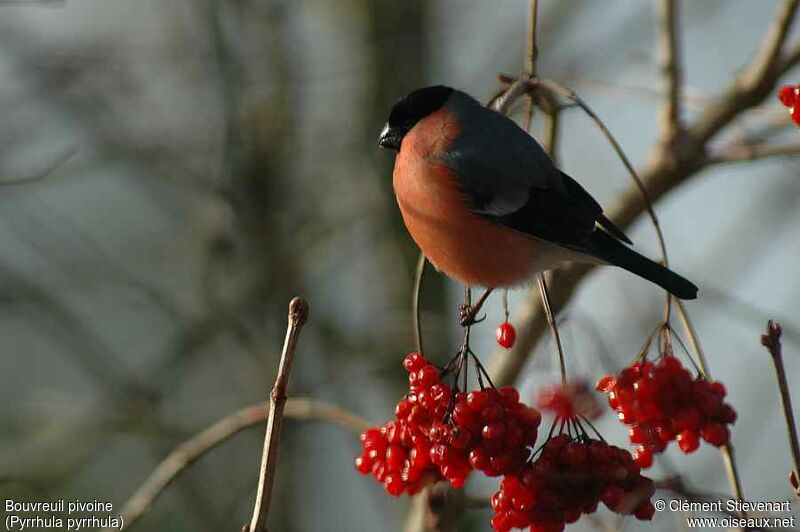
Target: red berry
645 512
508 395
795 114
427 376
477 400
363 464
414 362
688 418
719 389
643 457
506 335
611 496
715 434
638 434
394 484
688 441
787 95
606 384
574 453
493 431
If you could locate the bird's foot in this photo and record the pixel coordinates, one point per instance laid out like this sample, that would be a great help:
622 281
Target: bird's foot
467 315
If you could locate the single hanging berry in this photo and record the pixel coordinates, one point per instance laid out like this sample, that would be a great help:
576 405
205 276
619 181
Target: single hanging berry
506 335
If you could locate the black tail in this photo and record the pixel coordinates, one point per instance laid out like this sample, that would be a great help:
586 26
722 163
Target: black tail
607 248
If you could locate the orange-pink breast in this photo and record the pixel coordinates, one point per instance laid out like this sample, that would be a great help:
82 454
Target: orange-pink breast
458 242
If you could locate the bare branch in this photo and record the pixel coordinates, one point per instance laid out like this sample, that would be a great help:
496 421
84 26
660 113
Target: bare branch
768 57
532 49
790 58
748 152
298 314
757 80
191 450
772 341
671 72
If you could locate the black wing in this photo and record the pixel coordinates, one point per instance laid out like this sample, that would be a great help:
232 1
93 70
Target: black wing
509 178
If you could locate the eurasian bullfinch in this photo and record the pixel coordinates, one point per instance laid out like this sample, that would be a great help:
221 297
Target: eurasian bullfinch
486 204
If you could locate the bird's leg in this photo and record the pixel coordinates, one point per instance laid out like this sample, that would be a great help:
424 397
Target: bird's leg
467 312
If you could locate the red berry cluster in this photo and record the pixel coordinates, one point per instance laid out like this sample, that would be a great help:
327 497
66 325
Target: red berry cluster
662 402
570 400
394 460
570 478
438 435
789 95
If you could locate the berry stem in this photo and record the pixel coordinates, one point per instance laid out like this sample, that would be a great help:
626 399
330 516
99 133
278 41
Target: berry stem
772 341
298 314
594 429
553 326
481 370
688 327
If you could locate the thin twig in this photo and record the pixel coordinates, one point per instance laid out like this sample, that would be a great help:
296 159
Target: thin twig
772 341
512 94
298 314
694 340
415 301
671 73
197 446
553 327
532 49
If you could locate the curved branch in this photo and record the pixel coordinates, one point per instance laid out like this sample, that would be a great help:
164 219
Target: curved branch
301 409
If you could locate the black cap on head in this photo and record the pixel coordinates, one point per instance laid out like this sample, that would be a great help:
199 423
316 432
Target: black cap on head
409 110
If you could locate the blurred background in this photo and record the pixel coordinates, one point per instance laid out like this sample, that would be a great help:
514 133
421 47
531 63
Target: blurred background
190 165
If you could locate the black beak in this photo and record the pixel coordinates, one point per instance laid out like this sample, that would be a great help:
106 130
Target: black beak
391 138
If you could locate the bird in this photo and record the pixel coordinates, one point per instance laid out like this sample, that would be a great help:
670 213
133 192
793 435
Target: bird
486 204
